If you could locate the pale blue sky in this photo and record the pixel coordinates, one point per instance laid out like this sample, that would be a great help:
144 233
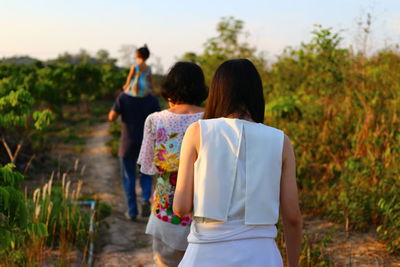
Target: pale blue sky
46 28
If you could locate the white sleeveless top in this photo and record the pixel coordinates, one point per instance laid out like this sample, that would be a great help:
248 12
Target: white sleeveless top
237 172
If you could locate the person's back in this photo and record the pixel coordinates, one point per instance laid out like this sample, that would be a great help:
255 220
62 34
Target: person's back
228 185
133 112
236 199
143 79
140 84
139 80
235 175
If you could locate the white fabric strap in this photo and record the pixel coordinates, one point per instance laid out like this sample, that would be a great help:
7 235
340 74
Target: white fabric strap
213 182
216 166
263 174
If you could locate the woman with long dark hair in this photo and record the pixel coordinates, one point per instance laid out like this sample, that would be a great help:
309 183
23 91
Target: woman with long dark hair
235 174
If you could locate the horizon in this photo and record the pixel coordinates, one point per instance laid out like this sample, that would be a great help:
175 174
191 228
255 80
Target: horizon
51 29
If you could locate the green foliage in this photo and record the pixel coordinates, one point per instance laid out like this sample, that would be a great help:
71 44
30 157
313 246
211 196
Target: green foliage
70 79
20 118
37 229
87 82
15 226
340 109
15 108
32 97
103 210
341 112
227 44
115 131
313 248
54 205
112 78
50 218
43 118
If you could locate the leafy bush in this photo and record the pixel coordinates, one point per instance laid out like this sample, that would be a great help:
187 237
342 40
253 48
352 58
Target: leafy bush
16 228
341 111
32 97
51 218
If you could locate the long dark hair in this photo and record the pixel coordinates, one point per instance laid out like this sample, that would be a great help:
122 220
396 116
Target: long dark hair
236 88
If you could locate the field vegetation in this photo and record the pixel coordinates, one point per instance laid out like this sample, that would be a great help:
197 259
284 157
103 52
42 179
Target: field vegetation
341 109
339 106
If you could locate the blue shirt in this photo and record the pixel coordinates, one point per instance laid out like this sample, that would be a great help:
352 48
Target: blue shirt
133 111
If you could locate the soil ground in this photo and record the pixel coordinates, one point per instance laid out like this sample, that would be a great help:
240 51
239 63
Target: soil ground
121 241
349 248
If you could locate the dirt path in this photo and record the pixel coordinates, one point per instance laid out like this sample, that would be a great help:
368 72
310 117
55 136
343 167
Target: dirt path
122 242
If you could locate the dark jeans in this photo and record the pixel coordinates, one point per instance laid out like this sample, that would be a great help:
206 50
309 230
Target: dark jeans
128 175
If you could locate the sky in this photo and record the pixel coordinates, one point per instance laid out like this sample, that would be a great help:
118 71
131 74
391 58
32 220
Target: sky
45 28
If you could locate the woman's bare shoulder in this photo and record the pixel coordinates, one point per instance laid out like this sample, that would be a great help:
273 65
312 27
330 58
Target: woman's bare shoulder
193 129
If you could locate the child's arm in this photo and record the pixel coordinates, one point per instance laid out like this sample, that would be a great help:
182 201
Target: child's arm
129 78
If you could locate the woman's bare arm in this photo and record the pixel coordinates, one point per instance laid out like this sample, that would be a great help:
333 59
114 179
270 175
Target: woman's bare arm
183 199
289 204
129 78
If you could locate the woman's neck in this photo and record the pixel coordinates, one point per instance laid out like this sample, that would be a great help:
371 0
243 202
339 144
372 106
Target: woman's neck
184 108
242 116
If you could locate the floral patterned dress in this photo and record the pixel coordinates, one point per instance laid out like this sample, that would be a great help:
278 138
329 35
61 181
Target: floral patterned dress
159 156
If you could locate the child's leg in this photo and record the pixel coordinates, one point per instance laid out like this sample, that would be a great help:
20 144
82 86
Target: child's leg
128 169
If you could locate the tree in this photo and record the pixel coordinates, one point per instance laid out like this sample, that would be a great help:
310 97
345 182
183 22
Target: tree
64 58
103 56
19 116
83 56
87 83
228 44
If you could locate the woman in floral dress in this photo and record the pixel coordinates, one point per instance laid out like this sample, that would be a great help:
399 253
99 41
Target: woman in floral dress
184 89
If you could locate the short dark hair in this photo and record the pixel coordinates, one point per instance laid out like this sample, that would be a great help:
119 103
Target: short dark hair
185 84
236 88
143 52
